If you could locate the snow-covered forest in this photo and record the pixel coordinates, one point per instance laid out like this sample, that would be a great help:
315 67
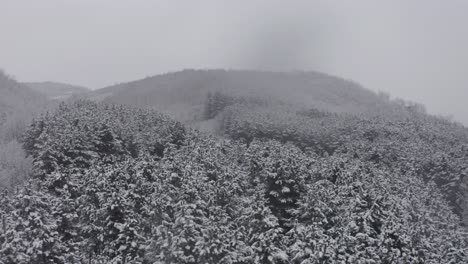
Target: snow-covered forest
234 132
272 183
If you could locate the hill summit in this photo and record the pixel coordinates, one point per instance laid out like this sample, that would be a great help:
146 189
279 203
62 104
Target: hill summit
182 94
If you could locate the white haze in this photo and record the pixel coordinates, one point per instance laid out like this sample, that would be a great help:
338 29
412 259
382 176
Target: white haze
414 49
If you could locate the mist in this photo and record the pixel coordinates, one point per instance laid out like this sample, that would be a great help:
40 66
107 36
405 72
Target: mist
411 49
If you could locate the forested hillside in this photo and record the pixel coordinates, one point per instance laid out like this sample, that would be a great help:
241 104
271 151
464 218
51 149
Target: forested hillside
114 184
297 168
430 148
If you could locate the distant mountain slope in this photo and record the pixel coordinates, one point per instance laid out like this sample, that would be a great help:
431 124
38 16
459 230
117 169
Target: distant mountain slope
18 103
15 95
56 90
182 94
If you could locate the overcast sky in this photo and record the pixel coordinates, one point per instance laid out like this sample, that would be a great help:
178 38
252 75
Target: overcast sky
414 49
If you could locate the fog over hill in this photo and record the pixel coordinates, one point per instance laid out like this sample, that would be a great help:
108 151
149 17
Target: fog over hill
411 49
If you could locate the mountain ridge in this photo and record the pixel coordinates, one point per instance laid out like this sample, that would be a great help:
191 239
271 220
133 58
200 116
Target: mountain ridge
183 93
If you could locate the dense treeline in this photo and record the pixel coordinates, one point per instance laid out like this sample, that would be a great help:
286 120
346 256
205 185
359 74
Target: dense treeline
118 185
433 149
80 133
